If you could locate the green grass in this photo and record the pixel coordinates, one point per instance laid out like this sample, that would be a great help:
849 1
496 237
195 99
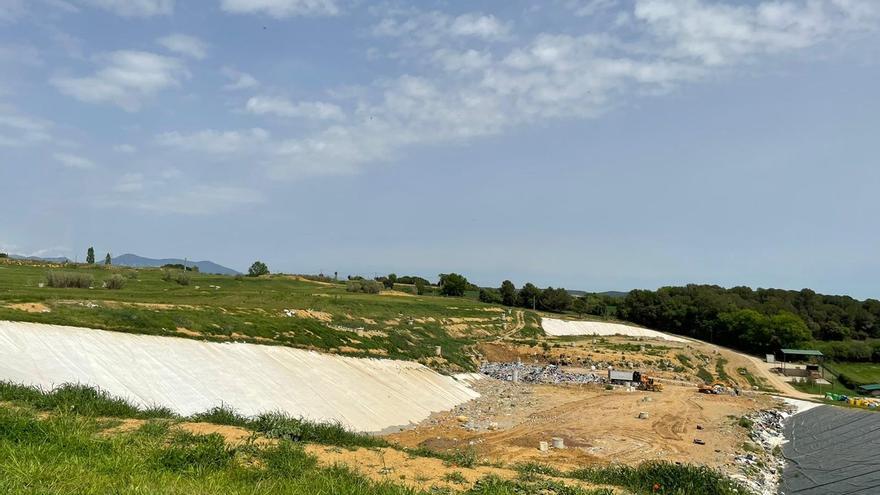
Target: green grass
862 373
252 309
720 371
684 360
668 479
704 375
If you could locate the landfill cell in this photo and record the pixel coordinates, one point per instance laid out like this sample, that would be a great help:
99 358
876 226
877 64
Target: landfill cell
832 451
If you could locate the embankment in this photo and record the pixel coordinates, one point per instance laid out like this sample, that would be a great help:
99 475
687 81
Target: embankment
191 376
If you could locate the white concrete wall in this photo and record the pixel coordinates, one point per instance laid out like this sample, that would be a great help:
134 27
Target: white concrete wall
191 376
555 327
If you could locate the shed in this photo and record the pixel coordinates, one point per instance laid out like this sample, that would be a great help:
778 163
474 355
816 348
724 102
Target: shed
801 355
872 390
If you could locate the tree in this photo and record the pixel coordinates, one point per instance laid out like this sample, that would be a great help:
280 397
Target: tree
389 281
257 269
491 296
508 293
108 260
528 296
555 299
90 256
452 284
789 330
420 286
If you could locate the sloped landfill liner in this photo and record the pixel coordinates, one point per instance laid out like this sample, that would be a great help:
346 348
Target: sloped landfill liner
832 451
191 376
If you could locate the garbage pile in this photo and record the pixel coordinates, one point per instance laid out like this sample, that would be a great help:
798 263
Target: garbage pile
527 373
761 469
863 402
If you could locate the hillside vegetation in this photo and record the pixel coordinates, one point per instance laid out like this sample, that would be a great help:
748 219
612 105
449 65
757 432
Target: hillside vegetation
275 309
761 320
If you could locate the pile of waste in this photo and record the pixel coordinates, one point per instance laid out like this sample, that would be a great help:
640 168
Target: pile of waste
762 467
863 402
536 374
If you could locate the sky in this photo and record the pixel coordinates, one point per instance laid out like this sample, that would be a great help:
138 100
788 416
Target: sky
589 144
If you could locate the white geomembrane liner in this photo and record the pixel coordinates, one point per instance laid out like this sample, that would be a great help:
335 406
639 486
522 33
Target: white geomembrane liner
191 376
555 327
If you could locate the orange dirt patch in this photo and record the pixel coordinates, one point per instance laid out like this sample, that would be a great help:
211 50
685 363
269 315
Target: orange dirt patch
314 315
30 307
396 293
187 331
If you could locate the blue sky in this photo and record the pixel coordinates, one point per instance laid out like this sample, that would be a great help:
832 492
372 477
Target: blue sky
590 144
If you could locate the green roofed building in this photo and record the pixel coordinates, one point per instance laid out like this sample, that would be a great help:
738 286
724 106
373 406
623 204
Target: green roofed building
813 357
872 390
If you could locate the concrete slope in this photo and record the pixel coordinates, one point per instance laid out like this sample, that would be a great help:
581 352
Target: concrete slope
191 376
556 327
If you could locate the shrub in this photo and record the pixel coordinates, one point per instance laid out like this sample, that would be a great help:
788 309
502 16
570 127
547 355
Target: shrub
115 282
65 280
365 286
670 478
4 255
180 277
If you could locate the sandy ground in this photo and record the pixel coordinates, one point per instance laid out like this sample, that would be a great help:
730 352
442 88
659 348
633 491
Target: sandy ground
597 426
30 307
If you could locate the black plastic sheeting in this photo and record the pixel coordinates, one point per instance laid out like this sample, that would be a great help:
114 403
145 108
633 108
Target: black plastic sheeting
832 451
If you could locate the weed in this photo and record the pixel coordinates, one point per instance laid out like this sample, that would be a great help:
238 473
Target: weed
69 280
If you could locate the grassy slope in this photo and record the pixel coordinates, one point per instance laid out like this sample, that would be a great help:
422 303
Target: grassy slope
860 372
60 442
250 308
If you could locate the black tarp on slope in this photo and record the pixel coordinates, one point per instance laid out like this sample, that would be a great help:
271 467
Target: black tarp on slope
832 451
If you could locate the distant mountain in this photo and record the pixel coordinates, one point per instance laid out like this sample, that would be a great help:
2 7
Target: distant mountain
59 259
134 260
610 293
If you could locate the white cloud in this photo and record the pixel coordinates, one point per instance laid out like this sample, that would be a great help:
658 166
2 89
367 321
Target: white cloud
74 161
125 79
183 44
125 148
317 110
436 28
213 141
17 130
282 8
469 90
586 8
238 80
129 183
134 8
719 33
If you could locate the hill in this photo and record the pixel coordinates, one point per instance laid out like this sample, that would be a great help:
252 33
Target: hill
136 261
58 259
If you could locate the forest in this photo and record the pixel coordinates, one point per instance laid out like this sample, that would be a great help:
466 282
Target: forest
761 320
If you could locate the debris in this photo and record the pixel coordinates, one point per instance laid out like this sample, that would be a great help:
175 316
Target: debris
699 427
643 415
543 446
536 374
699 442
558 443
462 419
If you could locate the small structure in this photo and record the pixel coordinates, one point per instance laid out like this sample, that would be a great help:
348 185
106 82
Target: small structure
872 390
813 371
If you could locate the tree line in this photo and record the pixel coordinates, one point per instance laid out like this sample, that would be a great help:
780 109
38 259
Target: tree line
761 320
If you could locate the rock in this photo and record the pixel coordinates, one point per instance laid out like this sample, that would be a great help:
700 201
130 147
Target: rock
462 419
543 446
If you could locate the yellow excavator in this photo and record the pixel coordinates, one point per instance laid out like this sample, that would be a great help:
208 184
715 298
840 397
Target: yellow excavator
650 384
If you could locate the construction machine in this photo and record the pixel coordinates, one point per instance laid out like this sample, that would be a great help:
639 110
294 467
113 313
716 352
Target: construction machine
713 388
650 384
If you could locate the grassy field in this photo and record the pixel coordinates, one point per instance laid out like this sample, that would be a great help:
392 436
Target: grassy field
69 441
860 372
223 308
